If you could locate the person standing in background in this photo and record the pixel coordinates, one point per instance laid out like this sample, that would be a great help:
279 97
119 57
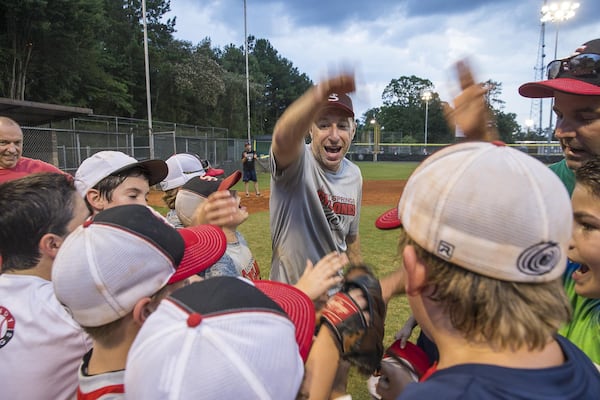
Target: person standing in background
248 159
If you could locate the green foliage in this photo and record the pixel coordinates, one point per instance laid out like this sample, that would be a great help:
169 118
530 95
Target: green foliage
90 53
404 110
403 113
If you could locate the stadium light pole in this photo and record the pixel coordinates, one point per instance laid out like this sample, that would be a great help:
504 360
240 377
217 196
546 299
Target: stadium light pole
147 72
557 12
529 124
426 97
376 138
247 72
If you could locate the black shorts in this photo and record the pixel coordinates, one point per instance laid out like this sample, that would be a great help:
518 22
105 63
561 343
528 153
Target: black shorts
249 176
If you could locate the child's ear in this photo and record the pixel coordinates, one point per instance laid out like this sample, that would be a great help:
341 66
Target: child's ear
95 199
49 244
142 310
416 273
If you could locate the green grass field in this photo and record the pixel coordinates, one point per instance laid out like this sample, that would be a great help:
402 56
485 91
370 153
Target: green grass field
379 250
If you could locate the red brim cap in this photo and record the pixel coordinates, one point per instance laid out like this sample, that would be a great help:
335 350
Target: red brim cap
299 308
389 220
230 180
547 88
214 172
204 246
411 354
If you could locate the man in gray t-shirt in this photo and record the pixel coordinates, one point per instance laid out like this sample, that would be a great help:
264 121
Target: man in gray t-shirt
315 191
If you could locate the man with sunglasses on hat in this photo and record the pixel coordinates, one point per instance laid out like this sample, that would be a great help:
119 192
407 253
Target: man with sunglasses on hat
574 82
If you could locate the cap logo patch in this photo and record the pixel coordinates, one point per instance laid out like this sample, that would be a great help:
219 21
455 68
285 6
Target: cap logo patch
333 97
445 250
539 259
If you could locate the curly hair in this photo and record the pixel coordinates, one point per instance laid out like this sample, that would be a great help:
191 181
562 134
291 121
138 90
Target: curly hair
505 315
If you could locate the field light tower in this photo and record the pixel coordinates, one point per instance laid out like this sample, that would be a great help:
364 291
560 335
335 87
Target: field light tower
426 96
557 12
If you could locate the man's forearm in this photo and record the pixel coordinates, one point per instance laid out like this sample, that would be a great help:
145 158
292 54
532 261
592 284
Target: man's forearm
353 250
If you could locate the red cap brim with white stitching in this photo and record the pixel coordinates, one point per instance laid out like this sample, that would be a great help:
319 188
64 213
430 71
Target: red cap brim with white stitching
389 220
204 246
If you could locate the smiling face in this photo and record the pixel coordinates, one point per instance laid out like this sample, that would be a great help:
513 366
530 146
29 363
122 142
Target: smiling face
577 127
11 143
331 133
585 242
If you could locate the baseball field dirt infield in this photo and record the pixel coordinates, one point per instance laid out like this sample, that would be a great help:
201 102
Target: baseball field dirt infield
374 193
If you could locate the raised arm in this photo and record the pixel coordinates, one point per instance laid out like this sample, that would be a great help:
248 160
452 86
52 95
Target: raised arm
295 123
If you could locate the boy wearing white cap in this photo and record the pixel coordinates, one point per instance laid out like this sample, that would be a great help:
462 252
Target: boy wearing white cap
182 168
238 260
112 178
112 274
483 276
223 338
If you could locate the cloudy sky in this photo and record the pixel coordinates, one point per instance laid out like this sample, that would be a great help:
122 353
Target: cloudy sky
386 39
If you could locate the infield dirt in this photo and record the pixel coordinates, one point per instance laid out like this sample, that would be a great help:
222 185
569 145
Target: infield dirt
374 193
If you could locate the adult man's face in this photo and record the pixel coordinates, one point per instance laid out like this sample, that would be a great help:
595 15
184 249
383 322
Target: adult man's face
11 144
577 127
332 133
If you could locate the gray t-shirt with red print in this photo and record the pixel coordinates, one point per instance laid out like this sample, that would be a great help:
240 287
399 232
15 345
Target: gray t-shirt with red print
312 211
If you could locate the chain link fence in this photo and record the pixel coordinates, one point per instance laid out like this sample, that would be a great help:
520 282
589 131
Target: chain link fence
67 143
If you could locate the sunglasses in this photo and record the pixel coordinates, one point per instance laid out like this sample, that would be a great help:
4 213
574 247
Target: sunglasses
579 65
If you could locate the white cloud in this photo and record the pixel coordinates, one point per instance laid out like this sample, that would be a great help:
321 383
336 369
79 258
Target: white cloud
382 42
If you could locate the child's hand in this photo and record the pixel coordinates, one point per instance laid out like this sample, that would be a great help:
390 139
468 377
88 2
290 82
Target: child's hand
404 333
220 208
471 112
318 279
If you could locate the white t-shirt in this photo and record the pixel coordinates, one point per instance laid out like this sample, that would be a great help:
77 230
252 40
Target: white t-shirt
41 346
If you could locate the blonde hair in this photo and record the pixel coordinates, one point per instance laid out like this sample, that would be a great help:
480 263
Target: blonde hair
502 314
169 197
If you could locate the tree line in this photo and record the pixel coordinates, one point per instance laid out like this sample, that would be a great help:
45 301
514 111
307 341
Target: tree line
90 53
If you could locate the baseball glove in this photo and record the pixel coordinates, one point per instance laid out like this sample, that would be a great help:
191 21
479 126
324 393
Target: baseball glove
359 342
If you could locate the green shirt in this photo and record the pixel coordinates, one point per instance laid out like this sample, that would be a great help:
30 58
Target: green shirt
584 328
566 174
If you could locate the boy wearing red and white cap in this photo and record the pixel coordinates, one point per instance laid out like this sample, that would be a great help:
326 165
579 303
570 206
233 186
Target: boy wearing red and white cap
484 278
112 273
